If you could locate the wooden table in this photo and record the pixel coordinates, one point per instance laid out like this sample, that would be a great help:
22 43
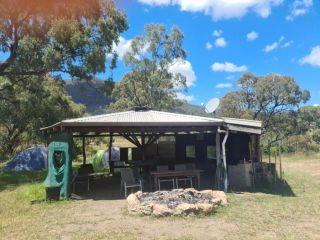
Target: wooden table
176 173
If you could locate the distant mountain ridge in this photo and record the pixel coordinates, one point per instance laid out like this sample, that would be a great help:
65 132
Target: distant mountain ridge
91 95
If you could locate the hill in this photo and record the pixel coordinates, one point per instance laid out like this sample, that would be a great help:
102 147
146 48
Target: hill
91 95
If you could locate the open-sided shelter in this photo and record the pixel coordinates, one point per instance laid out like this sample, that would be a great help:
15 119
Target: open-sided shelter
211 143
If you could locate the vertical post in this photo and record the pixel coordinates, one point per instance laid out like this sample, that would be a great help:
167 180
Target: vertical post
224 156
110 154
218 156
269 151
84 150
280 162
253 157
143 145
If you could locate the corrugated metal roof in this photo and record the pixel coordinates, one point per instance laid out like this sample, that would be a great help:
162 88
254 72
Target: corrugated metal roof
150 118
144 117
243 122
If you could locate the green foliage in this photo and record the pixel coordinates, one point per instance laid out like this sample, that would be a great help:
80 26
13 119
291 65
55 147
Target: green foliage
25 108
266 98
274 99
72 37
308 118
150 83
316 136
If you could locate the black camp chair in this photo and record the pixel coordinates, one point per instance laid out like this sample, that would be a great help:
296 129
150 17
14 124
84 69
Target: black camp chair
83 176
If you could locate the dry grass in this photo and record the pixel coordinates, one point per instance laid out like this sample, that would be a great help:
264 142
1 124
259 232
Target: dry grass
248 216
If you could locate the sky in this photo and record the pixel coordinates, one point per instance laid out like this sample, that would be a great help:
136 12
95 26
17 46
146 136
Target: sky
225 38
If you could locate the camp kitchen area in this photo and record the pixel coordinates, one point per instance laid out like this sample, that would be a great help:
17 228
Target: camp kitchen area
163 151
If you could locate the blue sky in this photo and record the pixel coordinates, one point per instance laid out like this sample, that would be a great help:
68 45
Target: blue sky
224 38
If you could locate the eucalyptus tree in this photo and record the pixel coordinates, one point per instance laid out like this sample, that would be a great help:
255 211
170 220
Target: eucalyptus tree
57 36
26 108
274 99
150 81
41 40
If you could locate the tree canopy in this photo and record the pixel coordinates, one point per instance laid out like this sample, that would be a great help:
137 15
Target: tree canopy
272 98
24 109
40 41
150 82
58 36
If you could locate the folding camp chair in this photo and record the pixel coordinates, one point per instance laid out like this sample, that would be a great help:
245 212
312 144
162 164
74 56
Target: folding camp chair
82 176
181 167
164 179
128 180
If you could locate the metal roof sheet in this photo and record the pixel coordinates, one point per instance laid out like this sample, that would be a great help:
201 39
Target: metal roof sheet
144 117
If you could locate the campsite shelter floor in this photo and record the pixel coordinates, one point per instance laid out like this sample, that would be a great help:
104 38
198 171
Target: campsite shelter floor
109 187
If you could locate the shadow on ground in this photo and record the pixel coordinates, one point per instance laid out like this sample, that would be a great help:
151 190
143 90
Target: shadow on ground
280 187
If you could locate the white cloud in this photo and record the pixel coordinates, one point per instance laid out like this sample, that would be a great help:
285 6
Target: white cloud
287 44
220 42
185 68
313 58
155 2
188 98
208 45
273 46
251 36
227 67
122 47
316 105
299 8
224 85
221 9
217 33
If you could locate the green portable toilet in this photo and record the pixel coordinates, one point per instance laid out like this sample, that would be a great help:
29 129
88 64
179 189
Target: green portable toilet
59 168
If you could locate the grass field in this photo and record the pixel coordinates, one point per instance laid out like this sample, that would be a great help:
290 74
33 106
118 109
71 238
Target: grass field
257 215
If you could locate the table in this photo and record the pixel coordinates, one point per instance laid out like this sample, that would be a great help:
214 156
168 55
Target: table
176 173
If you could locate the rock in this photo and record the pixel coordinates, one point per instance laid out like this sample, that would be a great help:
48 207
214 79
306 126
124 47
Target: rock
134 206
178 202
132 200
185 209
220 195
161 210
205 208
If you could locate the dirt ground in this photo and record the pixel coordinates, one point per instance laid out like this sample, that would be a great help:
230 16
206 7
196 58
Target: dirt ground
248 216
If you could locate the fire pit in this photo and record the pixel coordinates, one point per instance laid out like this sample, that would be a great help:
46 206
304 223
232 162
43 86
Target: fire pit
178 202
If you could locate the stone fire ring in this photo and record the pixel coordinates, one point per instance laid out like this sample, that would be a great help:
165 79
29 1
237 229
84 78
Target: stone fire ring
177 202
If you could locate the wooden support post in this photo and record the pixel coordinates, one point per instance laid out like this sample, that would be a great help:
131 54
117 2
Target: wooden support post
111 165
84 150
280 162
